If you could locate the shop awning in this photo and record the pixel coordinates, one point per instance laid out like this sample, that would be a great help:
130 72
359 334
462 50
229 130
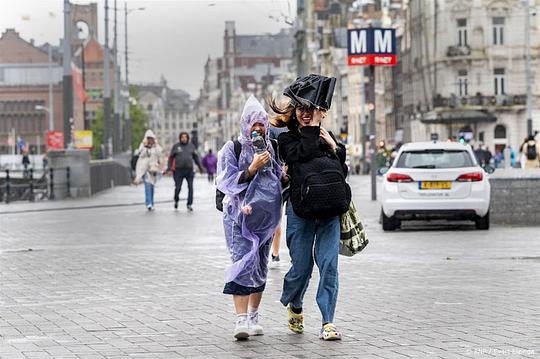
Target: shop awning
458 116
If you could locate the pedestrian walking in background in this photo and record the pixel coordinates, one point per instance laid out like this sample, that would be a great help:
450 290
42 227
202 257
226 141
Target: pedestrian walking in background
25 163
480 155
318 196
209 162
181 159
498 158
530 153
488 156
149 166
382 155
512 157
251 212
45 161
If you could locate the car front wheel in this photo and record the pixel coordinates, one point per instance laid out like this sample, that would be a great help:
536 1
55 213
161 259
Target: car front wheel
482 222
389 223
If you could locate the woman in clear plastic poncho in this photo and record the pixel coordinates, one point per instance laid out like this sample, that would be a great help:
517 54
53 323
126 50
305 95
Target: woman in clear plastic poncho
251 212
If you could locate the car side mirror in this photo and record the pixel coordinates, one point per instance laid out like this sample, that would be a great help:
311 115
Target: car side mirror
489 169
381 171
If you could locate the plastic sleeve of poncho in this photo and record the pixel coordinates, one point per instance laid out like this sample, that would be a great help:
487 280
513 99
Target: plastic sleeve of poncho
228 173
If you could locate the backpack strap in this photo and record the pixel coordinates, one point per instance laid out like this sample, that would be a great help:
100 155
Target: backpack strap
237 149
274 143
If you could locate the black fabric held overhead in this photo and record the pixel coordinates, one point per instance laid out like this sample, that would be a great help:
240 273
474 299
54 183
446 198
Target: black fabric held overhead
237 149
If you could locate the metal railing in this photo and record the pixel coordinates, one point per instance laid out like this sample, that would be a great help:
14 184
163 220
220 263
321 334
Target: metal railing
27 187
105 174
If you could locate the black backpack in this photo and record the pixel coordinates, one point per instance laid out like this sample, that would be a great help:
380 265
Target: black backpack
319 188
531 151
133 163
237 149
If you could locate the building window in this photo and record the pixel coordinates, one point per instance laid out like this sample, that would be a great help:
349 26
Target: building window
498 79
463 84
462 32
500 131
498 30
1 74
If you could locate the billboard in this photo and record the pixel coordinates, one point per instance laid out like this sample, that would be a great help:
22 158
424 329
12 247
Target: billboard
372 46
82 139
55 140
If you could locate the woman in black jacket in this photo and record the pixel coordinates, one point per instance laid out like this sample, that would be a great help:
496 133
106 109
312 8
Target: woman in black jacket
318 195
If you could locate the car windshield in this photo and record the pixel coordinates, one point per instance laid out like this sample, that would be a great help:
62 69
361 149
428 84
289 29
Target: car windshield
431 159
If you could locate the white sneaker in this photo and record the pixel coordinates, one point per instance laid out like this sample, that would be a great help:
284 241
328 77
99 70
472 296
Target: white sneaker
254 327
241 330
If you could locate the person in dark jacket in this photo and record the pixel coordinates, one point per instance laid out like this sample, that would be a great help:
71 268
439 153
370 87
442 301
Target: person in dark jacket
310 240
181 159
25 163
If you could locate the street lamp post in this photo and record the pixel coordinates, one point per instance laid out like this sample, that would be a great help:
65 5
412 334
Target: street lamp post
127 115
107 128
51 100
67 79
116 119
49 112
528 66
83 64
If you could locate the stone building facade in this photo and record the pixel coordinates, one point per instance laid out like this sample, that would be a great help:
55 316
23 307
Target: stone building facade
464 71
169 112
250 65
25 74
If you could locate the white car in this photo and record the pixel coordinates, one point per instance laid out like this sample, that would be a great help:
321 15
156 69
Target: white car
435 180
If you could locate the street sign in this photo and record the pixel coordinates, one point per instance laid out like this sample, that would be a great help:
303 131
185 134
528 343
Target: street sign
55 140
372 46
82 139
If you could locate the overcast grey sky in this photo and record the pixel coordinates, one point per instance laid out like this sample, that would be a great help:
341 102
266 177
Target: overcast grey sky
170 37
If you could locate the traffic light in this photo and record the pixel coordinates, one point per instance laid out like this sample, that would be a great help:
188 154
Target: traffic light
462 139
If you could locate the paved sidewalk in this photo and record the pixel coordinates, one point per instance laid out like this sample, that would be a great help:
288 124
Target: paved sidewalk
116 196
112 280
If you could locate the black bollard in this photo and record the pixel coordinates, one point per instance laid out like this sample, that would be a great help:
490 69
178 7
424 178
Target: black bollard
8 186
68 180
51 184
31 185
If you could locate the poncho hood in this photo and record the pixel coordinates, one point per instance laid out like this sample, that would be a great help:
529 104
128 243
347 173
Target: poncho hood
253 113
149 133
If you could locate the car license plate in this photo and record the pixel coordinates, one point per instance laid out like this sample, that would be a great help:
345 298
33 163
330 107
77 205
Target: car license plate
434 185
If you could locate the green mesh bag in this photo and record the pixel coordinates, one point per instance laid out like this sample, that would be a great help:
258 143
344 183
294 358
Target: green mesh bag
353 235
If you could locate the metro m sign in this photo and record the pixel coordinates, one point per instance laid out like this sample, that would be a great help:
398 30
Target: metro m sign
372 46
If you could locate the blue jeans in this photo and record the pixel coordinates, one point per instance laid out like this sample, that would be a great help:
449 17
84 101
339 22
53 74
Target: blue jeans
302 236
179 175
148 192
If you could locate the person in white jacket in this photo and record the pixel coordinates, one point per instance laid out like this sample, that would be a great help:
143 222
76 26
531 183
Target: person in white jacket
149 166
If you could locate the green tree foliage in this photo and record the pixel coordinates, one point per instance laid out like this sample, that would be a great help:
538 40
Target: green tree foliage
97 133
139 123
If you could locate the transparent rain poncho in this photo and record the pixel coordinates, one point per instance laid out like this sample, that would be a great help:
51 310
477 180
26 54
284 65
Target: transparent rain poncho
247 234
